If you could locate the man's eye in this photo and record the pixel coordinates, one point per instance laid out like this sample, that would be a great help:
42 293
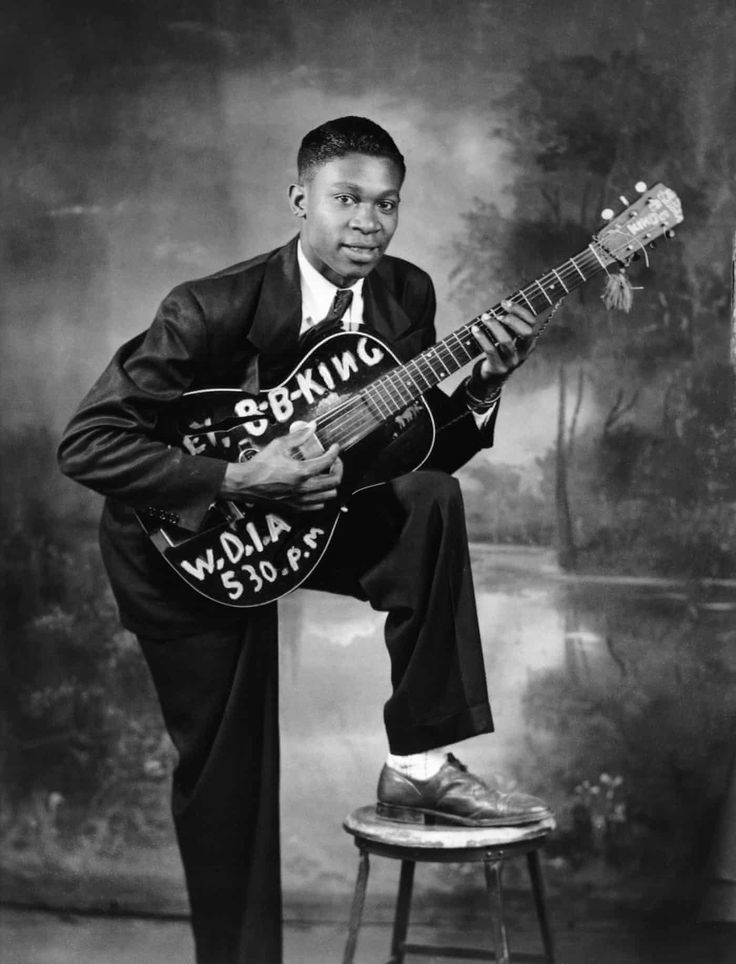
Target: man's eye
387 206
344 198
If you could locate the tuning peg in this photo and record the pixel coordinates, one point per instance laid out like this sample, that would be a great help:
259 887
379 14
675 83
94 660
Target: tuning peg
607 214
640 187
623 200
670 233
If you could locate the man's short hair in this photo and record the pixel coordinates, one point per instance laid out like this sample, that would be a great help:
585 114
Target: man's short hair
342 136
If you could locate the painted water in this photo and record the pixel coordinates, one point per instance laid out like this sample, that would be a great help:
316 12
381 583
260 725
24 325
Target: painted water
613 698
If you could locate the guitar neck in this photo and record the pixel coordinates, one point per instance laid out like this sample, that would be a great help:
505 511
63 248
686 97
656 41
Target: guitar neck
394 391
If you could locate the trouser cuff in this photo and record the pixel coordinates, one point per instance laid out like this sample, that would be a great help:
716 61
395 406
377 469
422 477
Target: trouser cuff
443 731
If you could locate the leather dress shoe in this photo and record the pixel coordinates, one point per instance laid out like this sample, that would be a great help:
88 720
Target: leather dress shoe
454 796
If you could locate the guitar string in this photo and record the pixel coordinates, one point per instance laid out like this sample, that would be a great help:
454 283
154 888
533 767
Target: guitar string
354 413
351 403
356 407
569 269
357 422
353 416
353 427
445 346
351 422
373 392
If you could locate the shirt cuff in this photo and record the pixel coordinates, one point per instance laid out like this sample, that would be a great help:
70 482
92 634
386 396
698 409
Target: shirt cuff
481 419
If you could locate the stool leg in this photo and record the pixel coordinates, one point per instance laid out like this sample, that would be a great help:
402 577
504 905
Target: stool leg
401 918
356 911
540 902
493 870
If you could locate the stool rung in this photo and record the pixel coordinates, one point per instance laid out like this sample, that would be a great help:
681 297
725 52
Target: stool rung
466 953
444 950
375 834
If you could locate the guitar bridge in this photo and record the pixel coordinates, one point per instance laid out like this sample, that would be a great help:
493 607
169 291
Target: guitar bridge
230 511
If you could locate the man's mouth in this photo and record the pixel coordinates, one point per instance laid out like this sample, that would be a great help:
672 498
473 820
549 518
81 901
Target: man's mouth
362 250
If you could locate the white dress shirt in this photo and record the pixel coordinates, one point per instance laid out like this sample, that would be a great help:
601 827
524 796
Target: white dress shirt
318 294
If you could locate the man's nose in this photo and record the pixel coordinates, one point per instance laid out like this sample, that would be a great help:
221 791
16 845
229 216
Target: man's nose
364 219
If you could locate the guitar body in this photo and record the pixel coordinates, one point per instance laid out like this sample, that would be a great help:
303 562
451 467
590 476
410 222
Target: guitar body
249 554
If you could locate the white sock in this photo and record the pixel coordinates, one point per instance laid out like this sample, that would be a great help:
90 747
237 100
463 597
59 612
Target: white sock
418 766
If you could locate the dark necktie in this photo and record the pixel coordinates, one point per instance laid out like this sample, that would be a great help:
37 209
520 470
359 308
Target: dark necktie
340 304
330 324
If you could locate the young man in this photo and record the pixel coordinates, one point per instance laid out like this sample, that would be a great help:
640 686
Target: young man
402 546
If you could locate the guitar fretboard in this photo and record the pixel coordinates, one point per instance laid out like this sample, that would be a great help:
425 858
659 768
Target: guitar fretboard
397 389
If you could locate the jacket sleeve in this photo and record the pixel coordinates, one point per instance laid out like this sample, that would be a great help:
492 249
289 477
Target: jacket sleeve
459 437
110 445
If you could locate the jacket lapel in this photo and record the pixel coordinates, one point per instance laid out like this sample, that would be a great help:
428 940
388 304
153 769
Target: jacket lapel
381 311
274 332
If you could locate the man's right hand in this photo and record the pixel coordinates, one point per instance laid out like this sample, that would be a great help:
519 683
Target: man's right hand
277 475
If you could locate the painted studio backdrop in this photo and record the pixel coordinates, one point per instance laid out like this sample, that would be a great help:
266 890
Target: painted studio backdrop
147 143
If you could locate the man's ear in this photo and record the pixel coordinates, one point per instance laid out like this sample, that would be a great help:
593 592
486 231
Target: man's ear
298 200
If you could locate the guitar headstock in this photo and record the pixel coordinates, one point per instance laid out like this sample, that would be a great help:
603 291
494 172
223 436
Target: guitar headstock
651 216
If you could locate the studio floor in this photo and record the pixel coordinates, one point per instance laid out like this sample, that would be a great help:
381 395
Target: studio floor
36 937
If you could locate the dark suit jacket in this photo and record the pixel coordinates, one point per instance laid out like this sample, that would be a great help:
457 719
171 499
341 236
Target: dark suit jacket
239 327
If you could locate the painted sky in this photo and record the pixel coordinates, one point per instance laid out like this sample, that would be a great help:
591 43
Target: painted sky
145 144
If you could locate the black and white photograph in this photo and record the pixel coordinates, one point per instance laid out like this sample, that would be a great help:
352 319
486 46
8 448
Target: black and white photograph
368 572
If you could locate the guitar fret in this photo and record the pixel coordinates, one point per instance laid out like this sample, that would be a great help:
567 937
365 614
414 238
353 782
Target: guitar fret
415 363
462 347
438 352
467 342
470 345
393 389
597 257
538 284
420 369
564 286
374 406
448 358
373 394
574 263
403 390
529 303
423 366
447 345
433 351
384 387
412 379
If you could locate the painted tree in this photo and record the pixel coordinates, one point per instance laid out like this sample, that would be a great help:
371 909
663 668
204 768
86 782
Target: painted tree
581 131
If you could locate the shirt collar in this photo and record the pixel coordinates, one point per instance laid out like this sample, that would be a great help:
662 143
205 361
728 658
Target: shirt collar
317 292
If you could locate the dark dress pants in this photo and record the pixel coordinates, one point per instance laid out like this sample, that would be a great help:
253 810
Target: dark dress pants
403 547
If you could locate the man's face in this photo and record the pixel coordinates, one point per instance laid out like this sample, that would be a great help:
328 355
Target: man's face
350 210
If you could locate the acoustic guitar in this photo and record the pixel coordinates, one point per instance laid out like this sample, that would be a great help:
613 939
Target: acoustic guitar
353 391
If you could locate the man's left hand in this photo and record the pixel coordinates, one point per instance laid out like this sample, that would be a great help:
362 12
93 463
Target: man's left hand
513 341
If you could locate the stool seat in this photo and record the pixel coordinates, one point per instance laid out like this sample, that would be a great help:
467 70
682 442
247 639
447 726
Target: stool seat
441 843
377 833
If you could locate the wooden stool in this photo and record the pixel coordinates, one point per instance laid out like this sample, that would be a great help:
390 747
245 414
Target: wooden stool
410 843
